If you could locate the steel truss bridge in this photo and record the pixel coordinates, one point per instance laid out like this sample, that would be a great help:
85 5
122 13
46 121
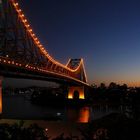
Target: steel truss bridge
22 54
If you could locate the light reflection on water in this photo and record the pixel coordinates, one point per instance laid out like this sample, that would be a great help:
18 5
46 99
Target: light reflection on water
78 115
20 108
84 115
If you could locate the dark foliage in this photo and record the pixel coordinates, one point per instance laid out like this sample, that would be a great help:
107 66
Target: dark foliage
19 132
113 127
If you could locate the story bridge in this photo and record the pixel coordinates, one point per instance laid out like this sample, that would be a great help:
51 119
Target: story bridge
23 56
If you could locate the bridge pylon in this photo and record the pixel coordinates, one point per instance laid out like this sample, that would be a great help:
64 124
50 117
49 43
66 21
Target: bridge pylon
76 92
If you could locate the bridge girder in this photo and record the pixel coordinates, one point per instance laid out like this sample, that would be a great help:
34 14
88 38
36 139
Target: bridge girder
21 49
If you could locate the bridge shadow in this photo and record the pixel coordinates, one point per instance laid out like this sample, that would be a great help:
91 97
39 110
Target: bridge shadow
47 98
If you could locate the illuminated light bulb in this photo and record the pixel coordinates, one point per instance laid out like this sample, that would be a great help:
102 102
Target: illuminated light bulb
40 46
25 20
33 34
16 4
28 25
21 15
30 30
38 42
35 38
19 10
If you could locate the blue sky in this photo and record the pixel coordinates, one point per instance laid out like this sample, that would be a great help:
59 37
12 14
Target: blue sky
106 33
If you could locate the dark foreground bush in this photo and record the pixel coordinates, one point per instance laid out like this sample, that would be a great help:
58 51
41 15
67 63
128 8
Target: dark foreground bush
112 127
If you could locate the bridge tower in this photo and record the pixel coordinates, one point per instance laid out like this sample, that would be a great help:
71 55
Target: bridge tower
81 75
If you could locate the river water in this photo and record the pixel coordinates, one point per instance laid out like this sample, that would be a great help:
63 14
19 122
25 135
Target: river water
20 107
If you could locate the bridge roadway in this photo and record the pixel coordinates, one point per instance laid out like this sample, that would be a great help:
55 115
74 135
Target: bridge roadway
14 69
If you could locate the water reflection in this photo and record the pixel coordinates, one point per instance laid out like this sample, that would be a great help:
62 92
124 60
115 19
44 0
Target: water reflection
84 115
81 115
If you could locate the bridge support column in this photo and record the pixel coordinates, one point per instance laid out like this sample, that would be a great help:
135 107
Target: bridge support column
1 95
74 89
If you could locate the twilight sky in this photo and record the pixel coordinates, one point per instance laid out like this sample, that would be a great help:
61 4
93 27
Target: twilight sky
106 33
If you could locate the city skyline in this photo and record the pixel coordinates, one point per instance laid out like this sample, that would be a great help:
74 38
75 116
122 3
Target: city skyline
105 33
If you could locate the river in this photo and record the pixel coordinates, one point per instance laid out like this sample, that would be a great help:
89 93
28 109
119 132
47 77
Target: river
20 107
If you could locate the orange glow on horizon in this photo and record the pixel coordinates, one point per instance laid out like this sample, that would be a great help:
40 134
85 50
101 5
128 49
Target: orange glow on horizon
133 84
129 83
